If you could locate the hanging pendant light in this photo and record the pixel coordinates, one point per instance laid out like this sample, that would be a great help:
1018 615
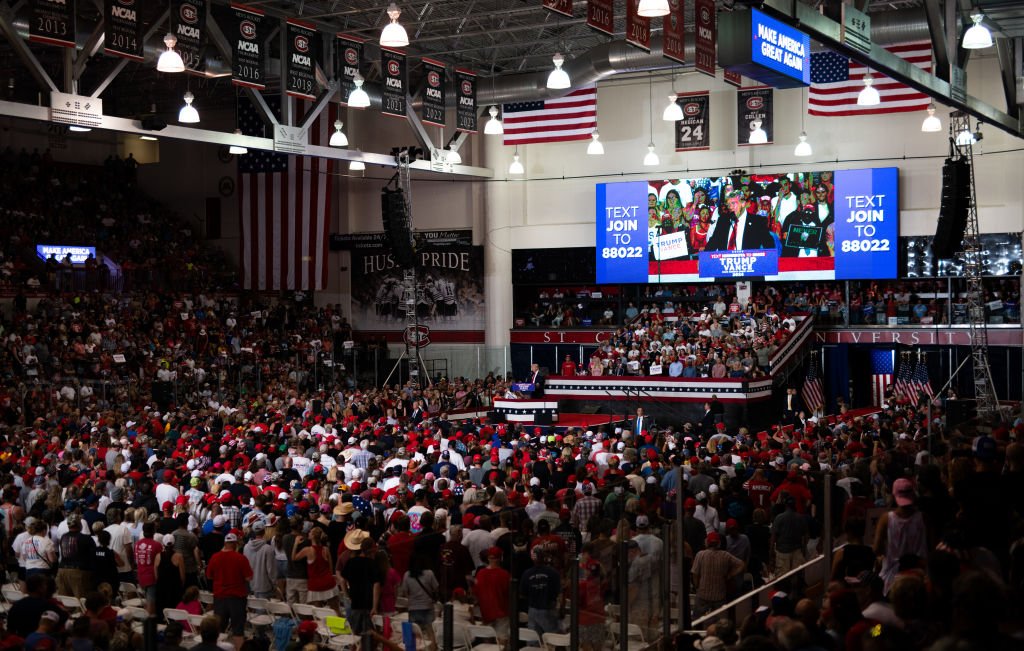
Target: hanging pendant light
170 61
931 123
493 127
977 36
595 147
356 165
652 8
516 167
393 34
338 138
453 157
803 148
237 150
558 79
965 138
188 113
758 136
358 97
650 158
673 112
869 94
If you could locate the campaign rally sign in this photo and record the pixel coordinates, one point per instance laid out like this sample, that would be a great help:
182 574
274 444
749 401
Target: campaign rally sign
79 254
866 223
738 264
622 242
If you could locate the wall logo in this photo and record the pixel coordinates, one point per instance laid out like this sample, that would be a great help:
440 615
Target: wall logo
417 336
755 103
302 43
691 109
189 14
433 79
705 15
351 56
394 68
248 29
467 88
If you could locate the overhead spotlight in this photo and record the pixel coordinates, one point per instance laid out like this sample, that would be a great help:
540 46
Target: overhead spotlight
358 97
673 112
651 158
453 157
977 36
188 113
78 129
338 138
516 167
803 148
558 79
356 165
595 147
493 127
652 8
393 34
931 123
965 138
170 61
148 138
237 150
758 136
869 94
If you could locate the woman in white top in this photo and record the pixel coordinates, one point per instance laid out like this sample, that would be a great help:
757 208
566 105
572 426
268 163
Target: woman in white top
37 554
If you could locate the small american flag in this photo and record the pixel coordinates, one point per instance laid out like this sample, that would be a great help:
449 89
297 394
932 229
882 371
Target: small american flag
901 389
284 208
836 81
813 392
881 374
573 117
921 381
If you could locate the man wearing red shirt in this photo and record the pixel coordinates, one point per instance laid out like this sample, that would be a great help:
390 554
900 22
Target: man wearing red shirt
760 490
230 573
796 486
147 554
491 588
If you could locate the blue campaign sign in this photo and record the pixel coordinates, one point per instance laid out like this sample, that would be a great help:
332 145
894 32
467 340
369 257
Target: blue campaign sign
780 47
738 264
622 246
866 223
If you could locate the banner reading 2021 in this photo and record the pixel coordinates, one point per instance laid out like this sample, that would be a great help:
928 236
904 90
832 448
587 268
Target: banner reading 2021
866 223
622 243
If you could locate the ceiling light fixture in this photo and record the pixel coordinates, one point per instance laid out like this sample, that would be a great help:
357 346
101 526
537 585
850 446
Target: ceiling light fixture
803 148
965 138
558 79
148 138
595 147
188 113
170 61
931 123
651 158
516 167
356 165
869 94
393 34
78 129
358 97
652 8
238 150
453 157
493 127
977 36
758 136
673 112
338 138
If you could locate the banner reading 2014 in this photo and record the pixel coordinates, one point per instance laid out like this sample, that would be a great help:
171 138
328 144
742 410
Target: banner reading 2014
247 65
122 29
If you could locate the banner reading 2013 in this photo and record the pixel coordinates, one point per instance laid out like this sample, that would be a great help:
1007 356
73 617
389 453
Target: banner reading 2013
247 64
53 22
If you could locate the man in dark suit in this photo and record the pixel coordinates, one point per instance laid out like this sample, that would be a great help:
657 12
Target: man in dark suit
745 232
792 405
537 379
642 422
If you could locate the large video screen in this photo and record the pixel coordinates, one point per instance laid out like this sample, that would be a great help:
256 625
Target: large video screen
820 225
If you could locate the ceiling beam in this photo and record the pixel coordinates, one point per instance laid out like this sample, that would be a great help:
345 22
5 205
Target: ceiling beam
937 29
1007 65
21 49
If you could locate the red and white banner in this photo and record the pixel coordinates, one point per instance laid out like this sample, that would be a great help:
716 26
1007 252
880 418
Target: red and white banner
706 30
638 28
601 16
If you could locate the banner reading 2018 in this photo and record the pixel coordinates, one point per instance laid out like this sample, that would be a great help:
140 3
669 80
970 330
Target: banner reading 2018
867 222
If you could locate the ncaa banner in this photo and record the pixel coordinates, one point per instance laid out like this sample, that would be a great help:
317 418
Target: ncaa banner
393 92
563 7
693 132
433 94
53 22
733 79
638 28
349 51
302 55
247 66
601 16
753 105
188 24
672 32
706 36
122 29
465 109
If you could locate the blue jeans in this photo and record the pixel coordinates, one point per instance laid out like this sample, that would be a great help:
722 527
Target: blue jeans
543 620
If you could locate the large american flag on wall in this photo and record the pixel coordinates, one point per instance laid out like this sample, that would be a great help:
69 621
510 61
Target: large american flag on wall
573 117
284 207
836 81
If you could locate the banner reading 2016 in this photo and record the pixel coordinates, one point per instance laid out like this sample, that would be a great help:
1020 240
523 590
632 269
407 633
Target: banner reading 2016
247 66
867 222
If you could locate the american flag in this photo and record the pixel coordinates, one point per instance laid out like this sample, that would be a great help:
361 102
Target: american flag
284 208
836 81
921 381
901 388
813 392
881 374
573 117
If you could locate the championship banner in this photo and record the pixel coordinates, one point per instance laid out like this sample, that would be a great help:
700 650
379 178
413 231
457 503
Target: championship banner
672 32
53 22
433 93
753 105
706 37
563 7
449 293
302 56
693 132
465 109
733 79
349 50
638 28
122 29
247 63
188 24
601 16
393 91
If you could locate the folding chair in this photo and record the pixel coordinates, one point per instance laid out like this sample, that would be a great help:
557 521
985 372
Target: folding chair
474 633
273 610
303 611
72 604
458 634
554 641
529 638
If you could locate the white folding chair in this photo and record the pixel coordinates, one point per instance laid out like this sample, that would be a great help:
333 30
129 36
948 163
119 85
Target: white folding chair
303 611
554 641
177 615
72 604
12 594
529 637
458 634
272 611
476 633
206 598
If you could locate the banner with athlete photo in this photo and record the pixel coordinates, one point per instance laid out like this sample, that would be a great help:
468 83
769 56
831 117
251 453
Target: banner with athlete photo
349 52
693 132
122 29
434 93
248 35
754 110
188 24
303 49
449 294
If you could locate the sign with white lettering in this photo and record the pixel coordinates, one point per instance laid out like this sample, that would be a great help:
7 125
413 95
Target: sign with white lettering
188 24
763 48
638 28
247 36
79 254
434 92
706 30
302 54
672 32
693 132
53 22
866 223
465 110
349 53
738 264
122 29
754 110
601 16
393 91
622 232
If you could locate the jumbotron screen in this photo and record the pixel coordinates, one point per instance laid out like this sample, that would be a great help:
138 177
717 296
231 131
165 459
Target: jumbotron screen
823 225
